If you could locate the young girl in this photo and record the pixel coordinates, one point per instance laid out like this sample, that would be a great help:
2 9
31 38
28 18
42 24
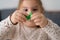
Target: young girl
38 27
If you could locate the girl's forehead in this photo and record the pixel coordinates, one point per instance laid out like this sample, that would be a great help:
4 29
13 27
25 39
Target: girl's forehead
29 3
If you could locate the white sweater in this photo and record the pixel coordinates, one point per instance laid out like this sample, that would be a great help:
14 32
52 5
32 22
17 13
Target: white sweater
8 31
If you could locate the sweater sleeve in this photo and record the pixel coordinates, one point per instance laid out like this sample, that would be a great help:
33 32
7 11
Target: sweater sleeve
53 30
5 26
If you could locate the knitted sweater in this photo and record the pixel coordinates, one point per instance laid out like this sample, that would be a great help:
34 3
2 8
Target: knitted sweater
8 31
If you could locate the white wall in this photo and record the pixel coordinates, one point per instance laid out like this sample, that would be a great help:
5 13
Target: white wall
48 4
51 5
5 4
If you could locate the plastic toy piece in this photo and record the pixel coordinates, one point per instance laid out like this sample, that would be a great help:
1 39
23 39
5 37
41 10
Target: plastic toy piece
29 16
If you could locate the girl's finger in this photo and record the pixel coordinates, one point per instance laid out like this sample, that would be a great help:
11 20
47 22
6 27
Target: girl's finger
21 15
37 20
17 20
20 18
36 17
37 23
36 14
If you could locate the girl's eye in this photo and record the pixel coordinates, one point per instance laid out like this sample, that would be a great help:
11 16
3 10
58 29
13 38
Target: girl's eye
35 9
25 10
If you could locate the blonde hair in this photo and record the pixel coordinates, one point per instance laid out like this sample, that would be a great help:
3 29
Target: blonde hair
39 1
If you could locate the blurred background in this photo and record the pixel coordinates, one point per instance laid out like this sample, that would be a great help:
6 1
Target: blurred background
52 9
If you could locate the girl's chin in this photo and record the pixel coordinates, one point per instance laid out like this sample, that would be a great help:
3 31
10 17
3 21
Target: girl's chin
30 24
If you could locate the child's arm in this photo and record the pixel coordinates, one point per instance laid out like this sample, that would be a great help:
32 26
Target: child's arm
5 27
11 22
53 30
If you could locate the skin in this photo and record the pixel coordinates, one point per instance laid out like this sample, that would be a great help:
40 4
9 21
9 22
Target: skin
37 17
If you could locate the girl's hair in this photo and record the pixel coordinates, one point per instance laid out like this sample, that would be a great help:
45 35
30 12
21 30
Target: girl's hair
39 1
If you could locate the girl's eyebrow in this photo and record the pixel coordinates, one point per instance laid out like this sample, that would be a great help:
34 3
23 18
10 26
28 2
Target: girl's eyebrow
35 7
25 7
32 7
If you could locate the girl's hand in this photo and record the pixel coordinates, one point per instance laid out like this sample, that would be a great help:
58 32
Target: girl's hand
39 19
18 16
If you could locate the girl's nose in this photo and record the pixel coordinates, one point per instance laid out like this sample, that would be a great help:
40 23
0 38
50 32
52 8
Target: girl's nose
29 11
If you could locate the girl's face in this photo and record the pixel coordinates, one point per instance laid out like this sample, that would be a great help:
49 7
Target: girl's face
30 6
